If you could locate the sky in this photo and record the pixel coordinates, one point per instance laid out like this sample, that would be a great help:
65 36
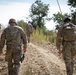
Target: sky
19 10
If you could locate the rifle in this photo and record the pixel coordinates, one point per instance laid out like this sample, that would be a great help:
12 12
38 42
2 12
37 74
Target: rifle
22 58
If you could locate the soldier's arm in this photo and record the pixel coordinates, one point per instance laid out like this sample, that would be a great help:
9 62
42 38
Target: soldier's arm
59 39
2 40
23 36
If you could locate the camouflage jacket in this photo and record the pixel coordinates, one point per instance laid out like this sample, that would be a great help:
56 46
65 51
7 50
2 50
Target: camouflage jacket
13 35
66 32
29 28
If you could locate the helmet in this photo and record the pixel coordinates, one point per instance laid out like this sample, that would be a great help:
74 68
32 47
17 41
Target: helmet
67 19
29 21
12 21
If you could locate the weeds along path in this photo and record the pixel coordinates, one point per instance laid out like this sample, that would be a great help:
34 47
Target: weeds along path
39 61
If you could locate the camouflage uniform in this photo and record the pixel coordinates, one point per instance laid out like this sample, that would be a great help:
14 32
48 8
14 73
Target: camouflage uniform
29 30
66 38
13 36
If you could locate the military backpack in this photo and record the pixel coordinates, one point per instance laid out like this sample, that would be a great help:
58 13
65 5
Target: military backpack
69 32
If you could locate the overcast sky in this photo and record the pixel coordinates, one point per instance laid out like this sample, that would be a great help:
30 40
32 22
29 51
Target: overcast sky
19 9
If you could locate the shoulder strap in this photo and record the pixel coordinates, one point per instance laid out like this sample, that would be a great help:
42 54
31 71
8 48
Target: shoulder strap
19 27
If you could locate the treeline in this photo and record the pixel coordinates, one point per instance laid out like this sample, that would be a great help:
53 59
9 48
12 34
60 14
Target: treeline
39 15
40 34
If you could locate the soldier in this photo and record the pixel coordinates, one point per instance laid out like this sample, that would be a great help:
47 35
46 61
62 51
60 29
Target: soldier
13 36
66 44
29 30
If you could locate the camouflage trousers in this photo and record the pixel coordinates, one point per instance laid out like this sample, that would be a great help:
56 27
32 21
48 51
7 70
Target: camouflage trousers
28 37
69 51
13 57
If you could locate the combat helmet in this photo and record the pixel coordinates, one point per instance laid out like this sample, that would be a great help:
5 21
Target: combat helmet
12 21
67 19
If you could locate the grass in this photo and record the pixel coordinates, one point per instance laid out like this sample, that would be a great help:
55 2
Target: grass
36 36
40 37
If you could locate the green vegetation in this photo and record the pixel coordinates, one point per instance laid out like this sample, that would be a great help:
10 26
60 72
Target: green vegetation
48 37
58 17
22 24
41 35
38 13
72 3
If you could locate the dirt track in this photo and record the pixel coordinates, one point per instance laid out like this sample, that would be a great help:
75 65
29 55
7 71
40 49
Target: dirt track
38 61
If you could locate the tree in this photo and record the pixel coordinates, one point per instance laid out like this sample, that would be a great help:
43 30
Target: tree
58 19
73 15
22 24
72 3
38 12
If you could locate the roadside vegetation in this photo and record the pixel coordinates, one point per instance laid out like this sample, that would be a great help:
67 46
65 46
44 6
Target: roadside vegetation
44 37
39 14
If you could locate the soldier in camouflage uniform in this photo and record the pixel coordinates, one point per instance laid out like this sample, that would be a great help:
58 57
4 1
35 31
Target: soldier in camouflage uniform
13 36
29 30
66 43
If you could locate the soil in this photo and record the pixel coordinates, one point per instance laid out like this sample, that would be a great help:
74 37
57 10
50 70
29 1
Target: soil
40 59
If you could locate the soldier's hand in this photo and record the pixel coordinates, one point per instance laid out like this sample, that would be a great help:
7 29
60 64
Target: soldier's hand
1 52
60 52
24 50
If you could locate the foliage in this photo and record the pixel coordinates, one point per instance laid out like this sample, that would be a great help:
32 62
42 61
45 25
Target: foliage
51 36
58 19
73 15
38 12
72 3
44 37
36 36
22 24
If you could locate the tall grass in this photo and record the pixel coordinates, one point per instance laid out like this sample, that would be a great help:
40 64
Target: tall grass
41 37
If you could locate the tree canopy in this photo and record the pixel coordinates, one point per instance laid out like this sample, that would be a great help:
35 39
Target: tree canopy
58 18
22 24
72 3
38 12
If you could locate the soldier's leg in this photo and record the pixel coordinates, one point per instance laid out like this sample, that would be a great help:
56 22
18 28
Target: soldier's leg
16 57
69 68
68 61
8 58
16 68
73 53
29 38
10 68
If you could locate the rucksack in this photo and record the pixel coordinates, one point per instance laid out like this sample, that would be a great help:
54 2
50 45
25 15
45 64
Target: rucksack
13 35
29 28
69 32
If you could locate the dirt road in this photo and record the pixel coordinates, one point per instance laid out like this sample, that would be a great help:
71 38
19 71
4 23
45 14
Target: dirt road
38 61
